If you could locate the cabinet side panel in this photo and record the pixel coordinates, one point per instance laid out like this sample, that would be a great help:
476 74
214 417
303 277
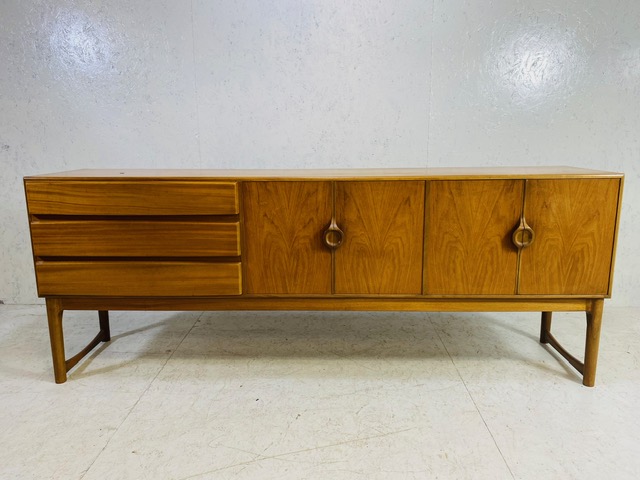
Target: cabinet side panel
574 221
469 248
283 226
383 224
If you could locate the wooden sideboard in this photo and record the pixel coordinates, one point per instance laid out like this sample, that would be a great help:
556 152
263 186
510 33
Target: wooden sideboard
485 239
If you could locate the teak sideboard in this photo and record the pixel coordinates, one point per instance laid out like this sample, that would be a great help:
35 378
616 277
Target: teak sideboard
485 239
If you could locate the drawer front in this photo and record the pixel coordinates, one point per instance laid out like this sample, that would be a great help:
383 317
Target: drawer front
134 238
105 197
138 278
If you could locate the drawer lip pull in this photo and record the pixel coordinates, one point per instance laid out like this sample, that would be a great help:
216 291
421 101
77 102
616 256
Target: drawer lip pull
333 236
138 278
135 238
125 198
523 236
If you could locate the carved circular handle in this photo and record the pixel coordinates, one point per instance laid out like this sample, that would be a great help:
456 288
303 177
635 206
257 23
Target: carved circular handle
333 236
523 236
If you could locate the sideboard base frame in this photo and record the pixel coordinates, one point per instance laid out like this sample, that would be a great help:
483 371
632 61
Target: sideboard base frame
593 307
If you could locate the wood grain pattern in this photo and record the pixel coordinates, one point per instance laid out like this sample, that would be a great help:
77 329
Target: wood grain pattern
138 278
383 224
113 197
283 223
574 221
334 302
135 238
469 257
469 249
615 237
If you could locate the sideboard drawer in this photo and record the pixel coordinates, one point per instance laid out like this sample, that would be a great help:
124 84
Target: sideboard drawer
115 197
138 278
135 238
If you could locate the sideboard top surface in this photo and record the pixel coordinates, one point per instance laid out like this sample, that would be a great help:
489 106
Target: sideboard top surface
457 173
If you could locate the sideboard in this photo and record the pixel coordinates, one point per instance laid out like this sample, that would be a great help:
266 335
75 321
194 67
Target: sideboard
444 239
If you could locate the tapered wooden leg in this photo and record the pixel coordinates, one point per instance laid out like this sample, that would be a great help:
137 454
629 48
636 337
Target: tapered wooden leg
592 343
60 364
103 316
545 327
54 317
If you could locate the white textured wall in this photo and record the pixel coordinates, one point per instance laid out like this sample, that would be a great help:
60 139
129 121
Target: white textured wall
291 83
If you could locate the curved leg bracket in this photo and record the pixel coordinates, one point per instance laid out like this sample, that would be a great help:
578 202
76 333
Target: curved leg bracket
592 342
60 365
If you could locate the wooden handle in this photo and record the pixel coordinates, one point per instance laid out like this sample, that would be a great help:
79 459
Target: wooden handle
523 236
333 235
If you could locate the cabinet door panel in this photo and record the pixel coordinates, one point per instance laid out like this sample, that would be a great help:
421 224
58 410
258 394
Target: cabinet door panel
283 223
574 222
383 243
469 249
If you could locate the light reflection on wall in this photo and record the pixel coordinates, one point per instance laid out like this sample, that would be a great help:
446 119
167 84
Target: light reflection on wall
628 63
536 65
79 44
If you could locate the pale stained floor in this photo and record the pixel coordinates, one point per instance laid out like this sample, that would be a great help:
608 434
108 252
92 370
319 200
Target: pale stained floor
302 395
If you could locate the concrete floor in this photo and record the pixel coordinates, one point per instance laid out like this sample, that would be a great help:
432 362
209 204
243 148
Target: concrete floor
321 395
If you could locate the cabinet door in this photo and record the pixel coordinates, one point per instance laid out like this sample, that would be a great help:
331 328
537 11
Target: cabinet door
382 251
469 249
283 225
574 223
